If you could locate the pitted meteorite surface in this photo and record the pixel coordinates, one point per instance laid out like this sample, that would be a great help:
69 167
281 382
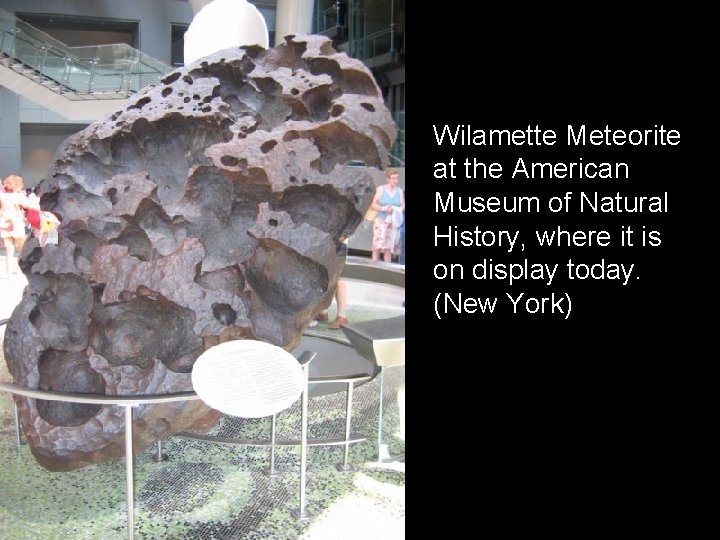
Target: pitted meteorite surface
212 207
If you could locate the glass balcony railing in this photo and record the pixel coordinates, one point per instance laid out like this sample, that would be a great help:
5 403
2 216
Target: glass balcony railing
330 18
373 45
97 72
397 152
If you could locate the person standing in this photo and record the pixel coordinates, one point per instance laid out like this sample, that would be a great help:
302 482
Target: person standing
389 202
340 299
12 220
402 240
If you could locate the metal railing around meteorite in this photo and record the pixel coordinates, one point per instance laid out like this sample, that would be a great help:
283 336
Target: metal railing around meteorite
130 401
127 402
355 268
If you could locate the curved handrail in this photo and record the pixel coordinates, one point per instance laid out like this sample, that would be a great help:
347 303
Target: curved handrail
328 441
331 379
376 272
98 399
145 399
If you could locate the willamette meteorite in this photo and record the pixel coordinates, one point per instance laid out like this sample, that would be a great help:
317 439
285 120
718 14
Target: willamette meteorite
213 207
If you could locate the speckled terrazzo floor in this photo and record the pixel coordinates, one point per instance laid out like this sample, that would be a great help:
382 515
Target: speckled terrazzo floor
219 491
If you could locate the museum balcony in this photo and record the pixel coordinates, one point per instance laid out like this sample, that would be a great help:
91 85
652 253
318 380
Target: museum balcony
35 65
371 32
331 20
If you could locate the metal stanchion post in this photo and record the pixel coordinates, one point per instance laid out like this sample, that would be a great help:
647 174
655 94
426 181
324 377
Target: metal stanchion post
271 472
345 466
127 402
301 512
18 440
130 485
160 456
380 416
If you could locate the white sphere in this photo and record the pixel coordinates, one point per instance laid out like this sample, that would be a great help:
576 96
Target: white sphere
223 24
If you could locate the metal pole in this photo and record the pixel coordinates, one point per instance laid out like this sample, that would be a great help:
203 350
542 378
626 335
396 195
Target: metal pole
380 414
160 456
93 64
271 472
18 441
301 513
130 487
392 26
344 466
41 64
352 20
65 79
15 31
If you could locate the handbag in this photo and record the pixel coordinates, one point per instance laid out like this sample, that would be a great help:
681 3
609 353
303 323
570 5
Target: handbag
371 214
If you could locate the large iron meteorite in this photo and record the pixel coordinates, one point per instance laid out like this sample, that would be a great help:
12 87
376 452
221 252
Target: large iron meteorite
213 207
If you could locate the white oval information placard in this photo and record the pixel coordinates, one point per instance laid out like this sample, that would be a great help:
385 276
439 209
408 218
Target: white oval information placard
247 378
